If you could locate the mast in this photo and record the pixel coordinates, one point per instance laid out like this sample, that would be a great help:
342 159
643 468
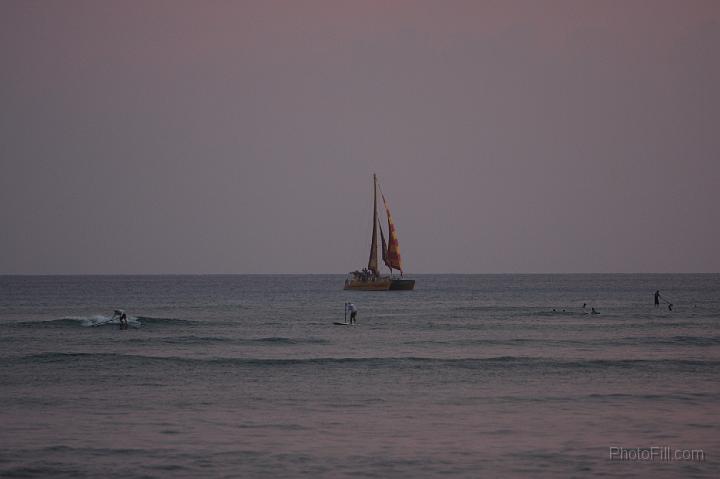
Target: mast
373 261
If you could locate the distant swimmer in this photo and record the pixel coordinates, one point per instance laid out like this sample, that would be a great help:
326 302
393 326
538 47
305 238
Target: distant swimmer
353 313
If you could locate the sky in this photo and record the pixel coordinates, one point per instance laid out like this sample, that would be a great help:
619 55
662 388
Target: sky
241 136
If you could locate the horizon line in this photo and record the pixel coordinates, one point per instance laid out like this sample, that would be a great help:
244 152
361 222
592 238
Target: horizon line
343 274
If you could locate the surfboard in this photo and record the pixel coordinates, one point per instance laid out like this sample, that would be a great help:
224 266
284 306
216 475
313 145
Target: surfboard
341 324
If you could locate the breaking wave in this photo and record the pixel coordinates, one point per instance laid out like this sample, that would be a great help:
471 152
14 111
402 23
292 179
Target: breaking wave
194 339
100 320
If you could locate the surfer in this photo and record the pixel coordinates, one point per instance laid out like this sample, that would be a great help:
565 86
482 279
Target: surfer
122 317
593 311
123 321
353 313
657 298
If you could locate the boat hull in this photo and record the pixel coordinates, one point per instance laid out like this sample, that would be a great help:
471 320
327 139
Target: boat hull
381 284
402 284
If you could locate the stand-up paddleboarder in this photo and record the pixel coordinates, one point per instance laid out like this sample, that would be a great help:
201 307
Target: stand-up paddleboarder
353 313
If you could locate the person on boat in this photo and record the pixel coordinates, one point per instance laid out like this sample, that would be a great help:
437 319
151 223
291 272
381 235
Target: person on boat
366 274
657 298
353 313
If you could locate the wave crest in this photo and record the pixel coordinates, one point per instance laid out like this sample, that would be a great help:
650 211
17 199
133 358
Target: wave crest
100 320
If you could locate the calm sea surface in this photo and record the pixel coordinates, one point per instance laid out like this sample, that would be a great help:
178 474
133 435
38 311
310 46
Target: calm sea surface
467 376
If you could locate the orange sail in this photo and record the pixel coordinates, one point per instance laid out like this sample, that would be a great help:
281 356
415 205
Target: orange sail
393 260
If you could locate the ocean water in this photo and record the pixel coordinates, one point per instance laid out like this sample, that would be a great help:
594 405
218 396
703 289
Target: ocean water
467 376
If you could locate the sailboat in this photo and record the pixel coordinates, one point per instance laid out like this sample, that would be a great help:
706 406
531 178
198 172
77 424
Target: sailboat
370 279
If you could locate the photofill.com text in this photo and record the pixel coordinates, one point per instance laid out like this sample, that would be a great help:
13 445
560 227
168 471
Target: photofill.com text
656 453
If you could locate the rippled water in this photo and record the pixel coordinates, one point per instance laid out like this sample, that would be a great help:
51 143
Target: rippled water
467 376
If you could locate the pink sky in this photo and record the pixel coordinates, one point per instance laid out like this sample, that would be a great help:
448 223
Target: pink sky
240 137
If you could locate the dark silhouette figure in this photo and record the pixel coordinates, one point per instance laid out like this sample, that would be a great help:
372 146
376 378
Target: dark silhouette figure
353 313
657 298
